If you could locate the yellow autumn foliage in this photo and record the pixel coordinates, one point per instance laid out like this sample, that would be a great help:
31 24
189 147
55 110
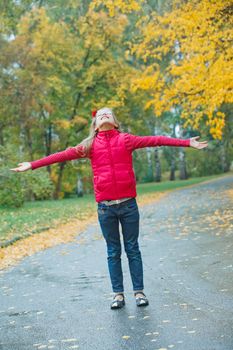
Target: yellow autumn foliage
199 76
79 120
63 123
114 6
53 175
67 186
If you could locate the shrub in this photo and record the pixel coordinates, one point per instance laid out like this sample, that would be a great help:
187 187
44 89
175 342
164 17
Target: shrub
38 184
16 187
11 191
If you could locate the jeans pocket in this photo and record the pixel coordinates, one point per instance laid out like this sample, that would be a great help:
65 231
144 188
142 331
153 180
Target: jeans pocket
102 210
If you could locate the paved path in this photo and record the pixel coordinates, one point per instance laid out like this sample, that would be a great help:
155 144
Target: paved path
59 298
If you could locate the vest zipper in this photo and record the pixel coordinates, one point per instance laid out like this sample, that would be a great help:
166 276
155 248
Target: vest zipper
112 164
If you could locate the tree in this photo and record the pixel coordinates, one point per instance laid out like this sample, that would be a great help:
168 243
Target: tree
201 82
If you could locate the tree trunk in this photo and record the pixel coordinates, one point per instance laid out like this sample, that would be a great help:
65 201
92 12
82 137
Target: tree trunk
150 167
157 166
59 181
182 164
48 143
173 166
183 172
29 141
79 189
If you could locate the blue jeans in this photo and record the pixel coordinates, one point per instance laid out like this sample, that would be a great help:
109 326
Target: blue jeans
128 214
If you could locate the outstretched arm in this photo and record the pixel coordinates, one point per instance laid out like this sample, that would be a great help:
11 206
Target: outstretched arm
68 154
134 141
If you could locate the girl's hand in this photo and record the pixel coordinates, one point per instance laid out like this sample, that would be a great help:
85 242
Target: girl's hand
23 167
196 144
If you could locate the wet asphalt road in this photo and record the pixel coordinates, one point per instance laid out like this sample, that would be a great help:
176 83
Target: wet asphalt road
60 298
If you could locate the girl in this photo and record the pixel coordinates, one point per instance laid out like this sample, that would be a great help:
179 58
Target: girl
110 152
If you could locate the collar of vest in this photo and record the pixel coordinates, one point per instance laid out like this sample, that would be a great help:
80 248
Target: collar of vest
110 132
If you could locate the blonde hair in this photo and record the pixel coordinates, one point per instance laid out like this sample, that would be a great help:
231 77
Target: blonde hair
87 142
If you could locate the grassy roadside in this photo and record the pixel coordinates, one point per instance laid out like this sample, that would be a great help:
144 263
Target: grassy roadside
35 217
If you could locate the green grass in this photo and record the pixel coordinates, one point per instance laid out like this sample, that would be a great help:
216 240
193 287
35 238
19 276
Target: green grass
170 185
37 216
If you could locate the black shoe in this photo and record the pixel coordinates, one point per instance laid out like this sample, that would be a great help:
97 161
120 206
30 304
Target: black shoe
117 304
141 301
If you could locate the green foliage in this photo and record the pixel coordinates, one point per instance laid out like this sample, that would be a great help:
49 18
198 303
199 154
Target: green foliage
203 163
38 185
11 190
17 187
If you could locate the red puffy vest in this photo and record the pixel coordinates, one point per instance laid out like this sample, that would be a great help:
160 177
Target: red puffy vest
113 175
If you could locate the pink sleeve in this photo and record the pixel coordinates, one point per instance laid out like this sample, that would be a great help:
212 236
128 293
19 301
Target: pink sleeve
59 157
134 141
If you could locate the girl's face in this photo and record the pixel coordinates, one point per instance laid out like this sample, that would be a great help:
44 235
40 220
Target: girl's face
104 116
